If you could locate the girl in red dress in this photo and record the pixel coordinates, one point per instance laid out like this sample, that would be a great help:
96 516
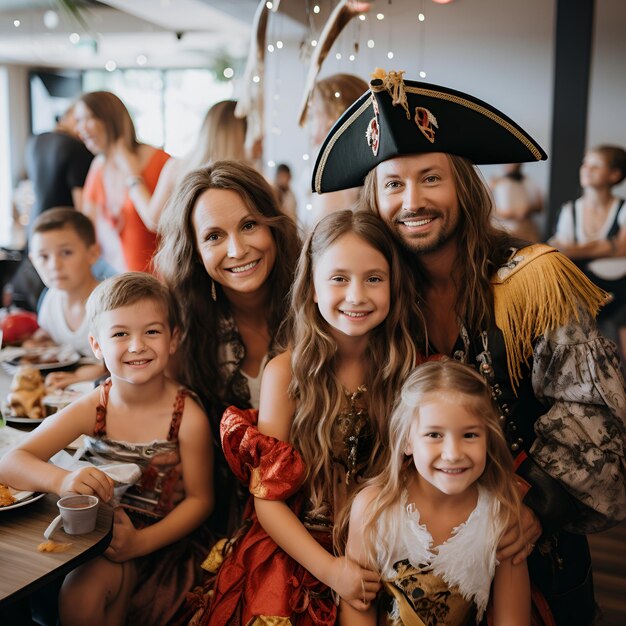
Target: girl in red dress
321 430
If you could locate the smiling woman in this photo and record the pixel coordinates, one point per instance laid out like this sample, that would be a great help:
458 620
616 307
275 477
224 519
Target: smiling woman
229 254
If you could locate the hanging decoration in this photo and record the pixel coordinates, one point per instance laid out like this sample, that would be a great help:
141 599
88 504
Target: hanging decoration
341 15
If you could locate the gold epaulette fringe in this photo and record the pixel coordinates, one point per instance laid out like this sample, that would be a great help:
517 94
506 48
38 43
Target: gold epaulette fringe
539 290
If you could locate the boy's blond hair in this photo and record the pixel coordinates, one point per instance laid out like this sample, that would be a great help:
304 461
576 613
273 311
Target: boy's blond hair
126 289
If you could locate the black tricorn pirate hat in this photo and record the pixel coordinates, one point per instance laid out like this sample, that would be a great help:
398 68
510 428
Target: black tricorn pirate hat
399 117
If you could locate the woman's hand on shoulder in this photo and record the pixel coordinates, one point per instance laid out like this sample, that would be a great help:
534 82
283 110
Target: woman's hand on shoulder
517 543
276 408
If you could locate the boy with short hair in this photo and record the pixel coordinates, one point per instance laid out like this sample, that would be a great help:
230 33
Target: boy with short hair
63 250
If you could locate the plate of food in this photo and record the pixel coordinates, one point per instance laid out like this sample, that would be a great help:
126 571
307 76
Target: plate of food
42 358
12 498
12 419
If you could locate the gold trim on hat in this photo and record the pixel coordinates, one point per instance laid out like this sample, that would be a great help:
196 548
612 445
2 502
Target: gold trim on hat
433 94
333 139
479 109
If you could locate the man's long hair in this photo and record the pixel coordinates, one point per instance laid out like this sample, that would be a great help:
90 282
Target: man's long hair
482 248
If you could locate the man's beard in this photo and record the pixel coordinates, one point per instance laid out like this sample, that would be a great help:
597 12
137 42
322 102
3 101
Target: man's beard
418 245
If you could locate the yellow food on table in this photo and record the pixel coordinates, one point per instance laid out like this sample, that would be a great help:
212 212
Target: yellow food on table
26 396
6 497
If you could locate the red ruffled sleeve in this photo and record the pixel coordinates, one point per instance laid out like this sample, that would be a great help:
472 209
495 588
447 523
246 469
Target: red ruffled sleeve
272 469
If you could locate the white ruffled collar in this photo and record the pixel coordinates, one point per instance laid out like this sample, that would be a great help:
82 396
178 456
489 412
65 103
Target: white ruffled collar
467 560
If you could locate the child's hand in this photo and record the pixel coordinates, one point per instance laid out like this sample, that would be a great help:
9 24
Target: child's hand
357 586
123 546
88 481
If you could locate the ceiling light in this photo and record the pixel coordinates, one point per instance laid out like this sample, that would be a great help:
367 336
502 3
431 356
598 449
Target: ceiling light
110 66
51 19
229 72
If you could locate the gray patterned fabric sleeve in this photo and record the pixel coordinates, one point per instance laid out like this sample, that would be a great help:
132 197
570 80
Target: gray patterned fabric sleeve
581 440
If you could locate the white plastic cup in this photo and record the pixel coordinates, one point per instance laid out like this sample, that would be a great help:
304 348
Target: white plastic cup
78 514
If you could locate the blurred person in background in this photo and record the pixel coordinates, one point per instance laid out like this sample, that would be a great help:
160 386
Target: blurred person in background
286 197
517 199
331 97
221 136
57 163
121 179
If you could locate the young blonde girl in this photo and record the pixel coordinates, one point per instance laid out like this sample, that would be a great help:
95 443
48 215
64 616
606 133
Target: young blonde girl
321 424
137 416
430 522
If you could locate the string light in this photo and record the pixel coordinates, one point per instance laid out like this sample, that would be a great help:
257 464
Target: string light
422 74
270 48
313 42
229 72
351 57
141 59
370 43
269 5
337 94
380 16
309 207
74 38
421 17
305 157
362 17
110 66
316 8
271 163
390 54
16 23
256 79
338 56
279 44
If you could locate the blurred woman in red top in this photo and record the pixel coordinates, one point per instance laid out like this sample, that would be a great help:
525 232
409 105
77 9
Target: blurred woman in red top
123 173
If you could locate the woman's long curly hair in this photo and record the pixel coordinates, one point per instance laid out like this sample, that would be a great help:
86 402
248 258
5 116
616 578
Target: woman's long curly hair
381 529
391 353
482 248
178 262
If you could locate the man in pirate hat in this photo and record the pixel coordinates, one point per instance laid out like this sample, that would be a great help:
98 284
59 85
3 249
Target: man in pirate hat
523 315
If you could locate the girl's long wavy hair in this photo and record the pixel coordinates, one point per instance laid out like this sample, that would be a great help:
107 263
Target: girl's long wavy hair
390 356
178 262
482 247
381 531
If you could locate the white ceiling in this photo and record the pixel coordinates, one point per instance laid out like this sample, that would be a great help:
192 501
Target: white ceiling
169 33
